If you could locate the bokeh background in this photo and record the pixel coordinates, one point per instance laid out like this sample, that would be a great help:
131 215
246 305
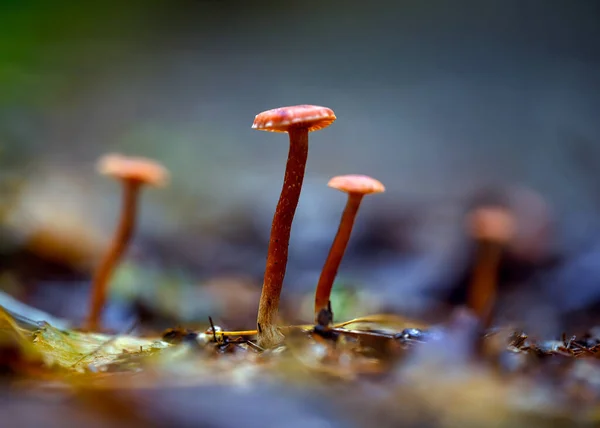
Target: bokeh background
450 104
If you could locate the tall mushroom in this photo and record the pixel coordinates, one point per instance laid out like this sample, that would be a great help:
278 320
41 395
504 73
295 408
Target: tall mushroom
492 228
357 186
133 172
297 121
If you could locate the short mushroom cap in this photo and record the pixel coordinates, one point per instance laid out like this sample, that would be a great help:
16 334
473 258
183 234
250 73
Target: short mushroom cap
283 118
137 169
354 183
491 224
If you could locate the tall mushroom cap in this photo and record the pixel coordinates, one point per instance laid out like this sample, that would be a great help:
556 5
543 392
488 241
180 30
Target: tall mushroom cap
355 183
491 224
137 169
301 116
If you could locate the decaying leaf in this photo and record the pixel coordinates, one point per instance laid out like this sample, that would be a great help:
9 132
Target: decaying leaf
74 350
77 350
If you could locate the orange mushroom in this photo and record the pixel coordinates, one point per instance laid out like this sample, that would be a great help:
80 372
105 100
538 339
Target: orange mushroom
297 121
357 186
492 228
133 172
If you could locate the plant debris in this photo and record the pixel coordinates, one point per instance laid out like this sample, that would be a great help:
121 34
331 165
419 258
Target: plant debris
524 377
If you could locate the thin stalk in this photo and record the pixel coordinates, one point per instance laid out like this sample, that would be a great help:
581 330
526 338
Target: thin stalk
483 288
277 254
336 252
117 247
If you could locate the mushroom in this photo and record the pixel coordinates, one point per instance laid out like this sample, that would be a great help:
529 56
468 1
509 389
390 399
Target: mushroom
356 186
297 121
133 172
492 227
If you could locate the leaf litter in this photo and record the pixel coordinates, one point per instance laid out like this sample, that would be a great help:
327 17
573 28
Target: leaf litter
437 369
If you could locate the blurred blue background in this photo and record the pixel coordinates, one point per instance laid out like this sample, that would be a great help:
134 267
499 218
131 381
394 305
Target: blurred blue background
447 103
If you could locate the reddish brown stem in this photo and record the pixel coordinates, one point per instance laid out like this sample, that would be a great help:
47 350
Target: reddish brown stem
277 255
336 252
117 247
482 291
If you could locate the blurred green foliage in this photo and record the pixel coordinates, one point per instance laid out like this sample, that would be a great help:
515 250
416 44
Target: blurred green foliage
44 45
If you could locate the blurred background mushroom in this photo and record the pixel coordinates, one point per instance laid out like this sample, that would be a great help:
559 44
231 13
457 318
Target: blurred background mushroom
438 100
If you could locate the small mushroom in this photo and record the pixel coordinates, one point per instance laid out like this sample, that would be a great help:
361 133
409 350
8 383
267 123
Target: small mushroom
356 186
297 121
492 228
133 172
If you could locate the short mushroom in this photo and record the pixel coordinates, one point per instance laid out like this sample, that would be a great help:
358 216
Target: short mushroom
297 121
357 186
133 172
492 228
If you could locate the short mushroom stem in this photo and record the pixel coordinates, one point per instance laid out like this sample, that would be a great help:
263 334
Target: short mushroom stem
482 291
268 334
117 247
336 253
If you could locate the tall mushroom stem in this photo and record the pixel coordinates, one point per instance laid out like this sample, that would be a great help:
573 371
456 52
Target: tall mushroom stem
118 245
268 334
482 291
336 253
492 228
